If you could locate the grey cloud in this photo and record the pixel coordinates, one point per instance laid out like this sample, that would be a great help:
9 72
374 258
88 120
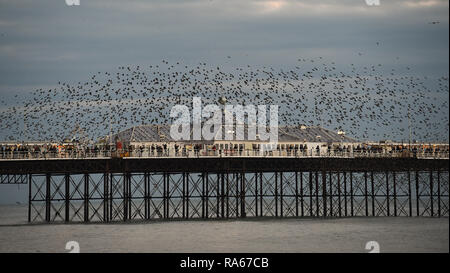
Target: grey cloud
46 41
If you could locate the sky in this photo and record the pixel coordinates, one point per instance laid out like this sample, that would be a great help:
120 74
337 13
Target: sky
46 41
42 42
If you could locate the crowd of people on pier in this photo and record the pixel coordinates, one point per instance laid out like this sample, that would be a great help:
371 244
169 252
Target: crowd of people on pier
64 150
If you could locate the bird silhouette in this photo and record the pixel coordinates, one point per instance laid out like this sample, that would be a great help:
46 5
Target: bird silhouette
368 101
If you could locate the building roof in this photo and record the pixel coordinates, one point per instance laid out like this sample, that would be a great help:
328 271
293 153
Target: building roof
161 133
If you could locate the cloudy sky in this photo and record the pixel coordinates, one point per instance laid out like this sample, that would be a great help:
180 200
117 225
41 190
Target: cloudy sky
46 41
42 42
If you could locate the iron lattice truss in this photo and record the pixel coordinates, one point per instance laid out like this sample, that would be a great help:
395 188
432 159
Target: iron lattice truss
108 197
13 179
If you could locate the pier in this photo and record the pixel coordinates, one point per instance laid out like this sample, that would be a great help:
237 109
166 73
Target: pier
127 189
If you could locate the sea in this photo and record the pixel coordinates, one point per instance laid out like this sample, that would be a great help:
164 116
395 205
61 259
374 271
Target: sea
251 235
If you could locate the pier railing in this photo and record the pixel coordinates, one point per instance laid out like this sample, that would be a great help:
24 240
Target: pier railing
171 153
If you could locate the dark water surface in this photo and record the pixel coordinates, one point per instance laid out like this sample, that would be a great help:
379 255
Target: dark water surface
401 234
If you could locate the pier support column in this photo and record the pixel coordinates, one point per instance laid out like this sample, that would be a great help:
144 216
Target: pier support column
164 196
146 197
395 193
351 194
439 191
30 177
218 196
324 194
302 200
366 194
86 197
111 192
204 200
183 197
276 194
105 197
409 194
372 193
261 194
129 196
311 194
207 197
238 193
243 213
228 195
187 195
317 195
168 195
431 193
222 195
67 197
339 193
417 194
296 194
330 186
388 205
345 194
256 194
125 196
47 197
281 194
